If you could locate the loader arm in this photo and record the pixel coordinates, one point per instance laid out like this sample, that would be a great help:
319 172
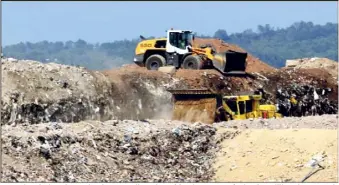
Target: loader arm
207 52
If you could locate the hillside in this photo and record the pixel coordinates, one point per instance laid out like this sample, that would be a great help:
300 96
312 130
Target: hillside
273 46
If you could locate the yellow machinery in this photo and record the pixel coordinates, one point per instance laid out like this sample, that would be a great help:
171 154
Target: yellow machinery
208 107
176 50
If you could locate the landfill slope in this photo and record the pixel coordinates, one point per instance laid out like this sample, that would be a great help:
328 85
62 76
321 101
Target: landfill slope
279 150
315 63
316 90
34 92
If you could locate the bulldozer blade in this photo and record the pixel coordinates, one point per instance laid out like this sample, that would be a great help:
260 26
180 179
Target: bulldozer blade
189 91
194 105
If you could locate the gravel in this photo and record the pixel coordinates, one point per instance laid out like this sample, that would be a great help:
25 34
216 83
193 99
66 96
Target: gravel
316 122
111 151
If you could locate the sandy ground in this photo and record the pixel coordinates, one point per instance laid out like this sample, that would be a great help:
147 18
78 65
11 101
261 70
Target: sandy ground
262 155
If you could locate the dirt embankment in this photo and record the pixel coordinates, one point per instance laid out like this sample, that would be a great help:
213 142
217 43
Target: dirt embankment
319 78
34 92
315 63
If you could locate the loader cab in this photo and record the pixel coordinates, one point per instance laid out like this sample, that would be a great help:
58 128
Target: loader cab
178 41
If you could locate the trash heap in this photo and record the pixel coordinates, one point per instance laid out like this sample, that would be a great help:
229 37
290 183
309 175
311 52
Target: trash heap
34 92
330 66
101 151
305 100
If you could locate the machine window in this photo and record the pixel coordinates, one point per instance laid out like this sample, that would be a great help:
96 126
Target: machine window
174 39
160 44
232 105
241 107
249 105
181 40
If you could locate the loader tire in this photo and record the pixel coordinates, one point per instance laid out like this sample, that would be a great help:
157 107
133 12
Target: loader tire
155 61
192 62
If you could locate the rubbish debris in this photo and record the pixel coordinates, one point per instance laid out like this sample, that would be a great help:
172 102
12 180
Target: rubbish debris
143 158
305 100
314 163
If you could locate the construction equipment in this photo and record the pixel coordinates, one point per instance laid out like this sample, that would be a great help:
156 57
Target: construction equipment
203 105
176 50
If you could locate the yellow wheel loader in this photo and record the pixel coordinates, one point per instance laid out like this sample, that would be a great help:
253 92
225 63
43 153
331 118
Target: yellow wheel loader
176 50
203 105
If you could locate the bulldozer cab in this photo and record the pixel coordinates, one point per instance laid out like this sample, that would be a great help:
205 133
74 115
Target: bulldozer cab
178 41
242 107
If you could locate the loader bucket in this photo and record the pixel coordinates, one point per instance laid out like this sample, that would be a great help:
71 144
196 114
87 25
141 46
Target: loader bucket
230 62
194 105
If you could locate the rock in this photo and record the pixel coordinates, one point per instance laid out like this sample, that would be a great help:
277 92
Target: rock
275 157
233 167
167 69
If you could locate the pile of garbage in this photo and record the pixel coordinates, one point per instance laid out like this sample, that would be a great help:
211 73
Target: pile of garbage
305 100
302 92
34 92
103 152
308 63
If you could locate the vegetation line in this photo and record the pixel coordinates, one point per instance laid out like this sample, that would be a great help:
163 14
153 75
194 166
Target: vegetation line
273 46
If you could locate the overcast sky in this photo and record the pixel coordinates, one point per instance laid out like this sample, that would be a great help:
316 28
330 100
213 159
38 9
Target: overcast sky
109 21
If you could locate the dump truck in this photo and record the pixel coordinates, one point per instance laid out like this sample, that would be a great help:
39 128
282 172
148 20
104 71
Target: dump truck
203 105
176 50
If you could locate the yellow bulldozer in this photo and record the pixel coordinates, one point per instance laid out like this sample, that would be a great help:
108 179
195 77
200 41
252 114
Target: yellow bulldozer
176 50
203 105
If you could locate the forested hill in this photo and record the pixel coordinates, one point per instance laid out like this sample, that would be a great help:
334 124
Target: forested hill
271 45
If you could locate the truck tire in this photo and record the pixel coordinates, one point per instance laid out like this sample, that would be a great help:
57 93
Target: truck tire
192 62
155 61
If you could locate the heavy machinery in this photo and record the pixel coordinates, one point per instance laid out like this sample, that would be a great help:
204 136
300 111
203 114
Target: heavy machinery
201 105
176 50
206 106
